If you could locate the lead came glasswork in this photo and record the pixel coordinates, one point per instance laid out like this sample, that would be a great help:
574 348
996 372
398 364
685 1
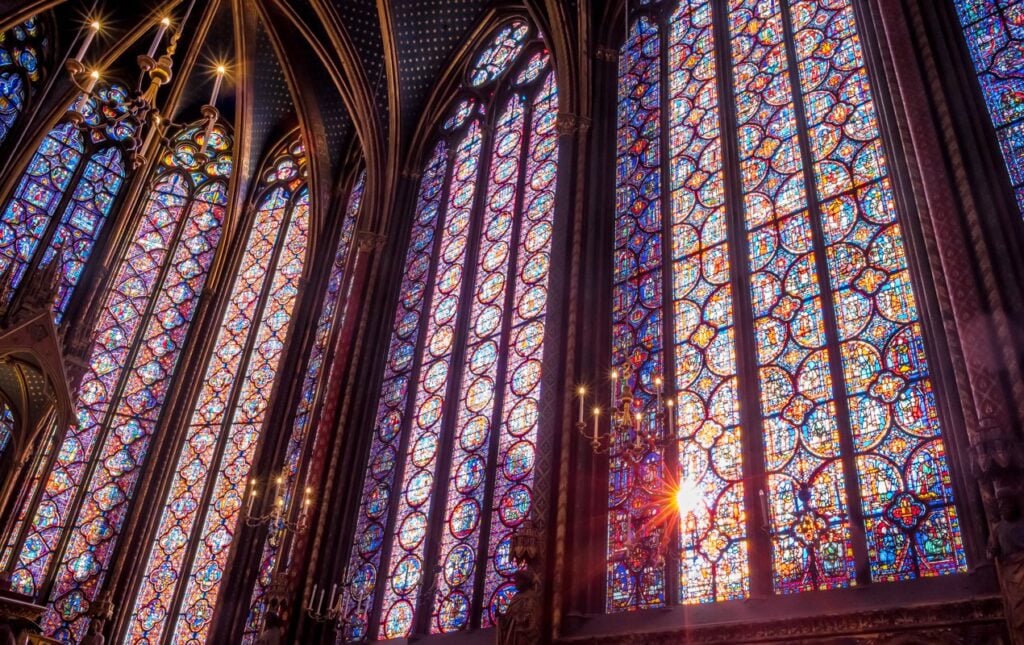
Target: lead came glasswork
140 332
482 343
405 570
464 507
517 442
635 581
364 561
906 491
281 222
713 561
313 382
898 457
992 29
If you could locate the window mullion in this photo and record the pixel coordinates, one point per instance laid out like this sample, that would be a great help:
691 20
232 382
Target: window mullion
185 572
838 385
758 546
438 501
374 616
670 452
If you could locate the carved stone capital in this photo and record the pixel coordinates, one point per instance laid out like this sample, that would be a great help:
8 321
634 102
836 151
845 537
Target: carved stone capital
569 124
606 54
368 241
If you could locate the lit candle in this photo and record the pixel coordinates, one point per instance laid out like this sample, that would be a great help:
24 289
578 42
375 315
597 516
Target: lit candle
597 414
216 84
90 85
252 497
164 24
94 28
582 392
657 389
637 416
615 387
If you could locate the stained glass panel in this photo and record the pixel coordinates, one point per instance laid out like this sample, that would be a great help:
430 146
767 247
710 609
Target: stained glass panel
27 214
635 579
140 332
313 382
524 351
846 361
6 426
361 576
182 513
994 30
500 54
905 485
21 51
713 558
405 570
464 509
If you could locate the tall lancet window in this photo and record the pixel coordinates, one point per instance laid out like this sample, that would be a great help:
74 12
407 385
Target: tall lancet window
22 51
79 495
760 269
64 196
187 556
450 471
332 317
993 30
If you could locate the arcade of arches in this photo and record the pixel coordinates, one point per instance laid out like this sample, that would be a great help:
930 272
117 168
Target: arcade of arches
514 321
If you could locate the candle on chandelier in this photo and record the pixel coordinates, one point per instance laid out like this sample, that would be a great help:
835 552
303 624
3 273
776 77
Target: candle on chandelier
334 591
165 22
90 85
221 70
657 389
252 497
582 392
94 28
597 414
615 387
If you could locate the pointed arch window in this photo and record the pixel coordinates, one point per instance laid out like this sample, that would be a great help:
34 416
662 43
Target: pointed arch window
187 557
760 268
994 38
79 496
314 382
23 49
66 193
6 425
456 427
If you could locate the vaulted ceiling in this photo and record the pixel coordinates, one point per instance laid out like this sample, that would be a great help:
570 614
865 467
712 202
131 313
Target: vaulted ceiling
350 70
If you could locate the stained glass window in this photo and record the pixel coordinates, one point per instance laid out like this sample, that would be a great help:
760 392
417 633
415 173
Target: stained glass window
140 333
993 32
474 298
22 51
845 413
313 383
76 174
6 426
206 490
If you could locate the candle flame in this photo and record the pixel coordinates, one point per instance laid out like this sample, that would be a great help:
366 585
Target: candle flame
597 411
221 69
165 21
688 497
581 390
94 74
95 25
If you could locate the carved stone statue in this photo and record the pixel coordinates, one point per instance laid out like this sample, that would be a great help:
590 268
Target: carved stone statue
1006 545
520 624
